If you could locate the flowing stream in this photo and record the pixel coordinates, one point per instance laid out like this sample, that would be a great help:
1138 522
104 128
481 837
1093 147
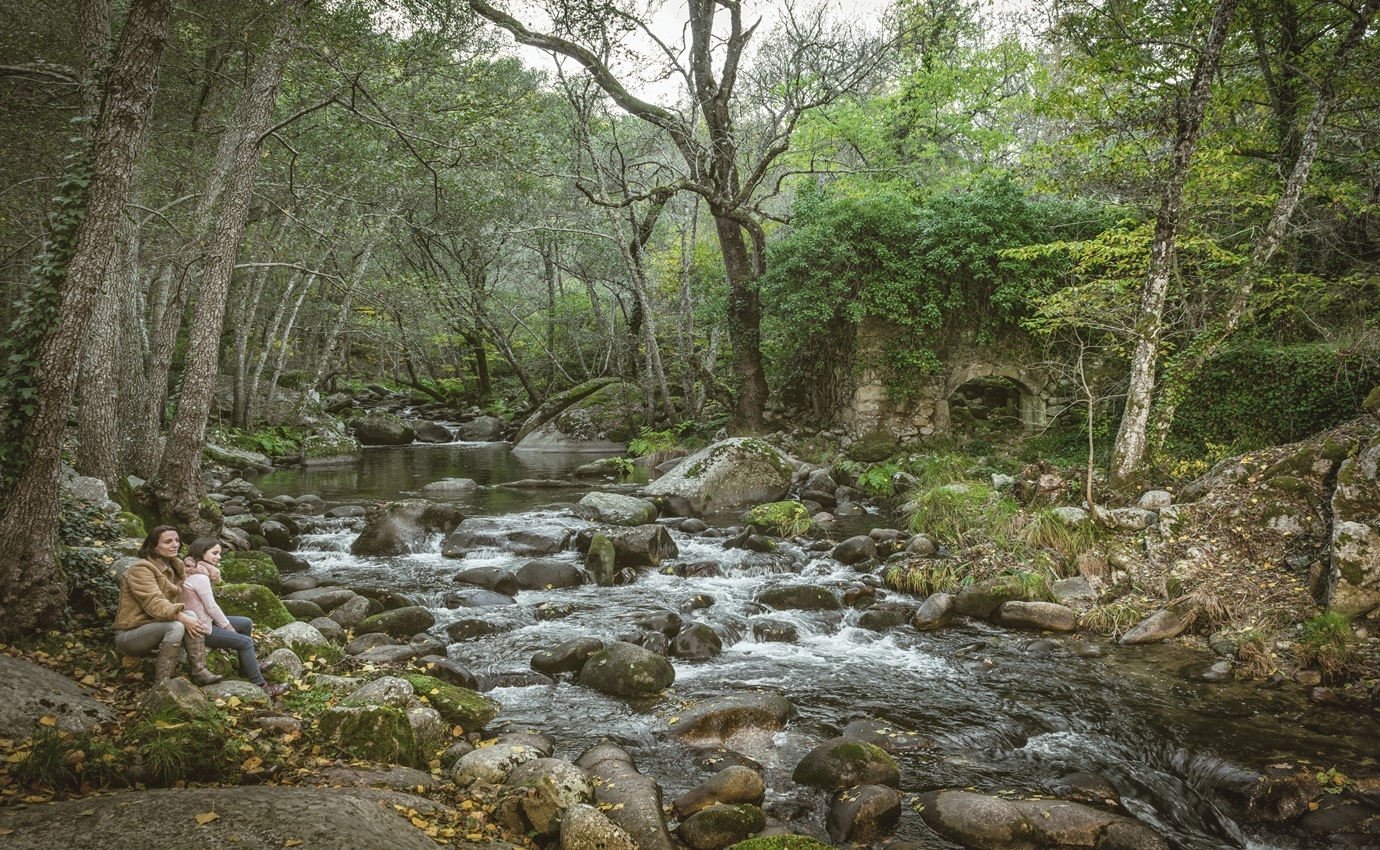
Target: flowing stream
1004 709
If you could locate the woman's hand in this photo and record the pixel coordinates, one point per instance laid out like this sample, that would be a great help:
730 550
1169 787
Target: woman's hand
194 625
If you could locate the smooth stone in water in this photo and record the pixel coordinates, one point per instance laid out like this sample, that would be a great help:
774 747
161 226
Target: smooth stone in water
863 814
720 826
843 762
936 612
733 784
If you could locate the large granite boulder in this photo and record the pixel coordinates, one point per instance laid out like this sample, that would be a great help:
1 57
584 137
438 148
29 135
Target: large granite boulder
598 415
615 509
719 719
484 429
399 528
28 693
1355 585
631 800
994 823
627 670
733 473
383 429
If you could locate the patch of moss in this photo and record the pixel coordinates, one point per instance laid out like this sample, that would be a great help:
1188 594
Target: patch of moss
1289 484
321 446
251 568
254 601
460 706
371 732
786 519
782 842
131 525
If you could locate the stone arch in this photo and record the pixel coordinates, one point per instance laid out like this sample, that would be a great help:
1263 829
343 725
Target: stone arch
1029 385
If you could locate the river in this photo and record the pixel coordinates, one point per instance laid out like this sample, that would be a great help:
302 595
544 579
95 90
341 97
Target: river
1004 709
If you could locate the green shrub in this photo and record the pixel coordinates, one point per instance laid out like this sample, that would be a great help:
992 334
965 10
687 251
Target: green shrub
1047 530
784 519
877 480
962 513
1326 644
649 442
923 578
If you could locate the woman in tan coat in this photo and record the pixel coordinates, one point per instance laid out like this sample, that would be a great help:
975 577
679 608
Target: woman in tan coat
151 614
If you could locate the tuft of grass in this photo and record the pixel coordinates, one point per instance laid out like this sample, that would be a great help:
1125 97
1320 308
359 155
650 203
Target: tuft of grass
923 578
49 761
1046 530
1113 619
1034 585
1253 656
934 470
1326 645
1206 609
963 513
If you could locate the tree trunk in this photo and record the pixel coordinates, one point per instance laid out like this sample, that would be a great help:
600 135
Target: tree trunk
248 316
178 485
1129 450
744 328
266 351
1180 372
283 345
98 417
32 591
168 305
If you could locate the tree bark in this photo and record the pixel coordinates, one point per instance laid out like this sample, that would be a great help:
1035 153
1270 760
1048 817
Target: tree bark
1129 449
177 488
98 417
32 591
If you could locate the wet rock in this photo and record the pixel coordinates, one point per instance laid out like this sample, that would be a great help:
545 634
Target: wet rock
552 610
587 828
567 657
350 613
921 545
767 630
733 784
286 562
425 431
989 823
476 598
482 429
475 534
694 525
632 800
936 612
370 640
698 569
292 584
883 618
386 656
627 670
552 786
1219 672
491 578
400 528
719 826
863 814
843 762
655 642
470 629
549 573
667 622
450 487
494 764
346 512
615 509
732 473
276 534
696 642
804 597
1086 788
721 718
855 550
382 429
886 736
450 671
720 759
601 559
1164 624
643 546
1046 616
401 623
326 598
982 600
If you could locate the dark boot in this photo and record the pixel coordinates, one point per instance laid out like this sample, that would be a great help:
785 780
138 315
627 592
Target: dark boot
196 656
166 662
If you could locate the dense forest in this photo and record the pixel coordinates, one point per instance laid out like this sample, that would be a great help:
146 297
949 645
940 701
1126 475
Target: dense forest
216 215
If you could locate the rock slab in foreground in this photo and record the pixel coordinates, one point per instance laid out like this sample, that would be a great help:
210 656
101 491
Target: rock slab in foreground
249 818
29 692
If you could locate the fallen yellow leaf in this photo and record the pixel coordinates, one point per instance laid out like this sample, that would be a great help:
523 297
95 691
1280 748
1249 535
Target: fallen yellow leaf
48 720
206 817
292 842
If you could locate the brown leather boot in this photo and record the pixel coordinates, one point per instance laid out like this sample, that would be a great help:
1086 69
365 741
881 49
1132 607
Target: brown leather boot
196 656
166 661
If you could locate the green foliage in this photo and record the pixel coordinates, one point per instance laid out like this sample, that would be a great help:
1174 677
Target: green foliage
784 519
1047 530
1326 643
624 466
1257 395
933 470
877 480
648 441
173 748
278 441
925 577
82 524
962 513
82 531
36 315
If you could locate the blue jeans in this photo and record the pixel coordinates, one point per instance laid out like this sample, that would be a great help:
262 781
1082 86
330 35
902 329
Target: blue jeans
240 641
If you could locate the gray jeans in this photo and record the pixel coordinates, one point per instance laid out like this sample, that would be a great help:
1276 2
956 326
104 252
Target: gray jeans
145 639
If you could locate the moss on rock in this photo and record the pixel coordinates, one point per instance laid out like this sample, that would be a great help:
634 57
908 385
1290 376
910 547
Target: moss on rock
371 732
256 602
251 568
458 706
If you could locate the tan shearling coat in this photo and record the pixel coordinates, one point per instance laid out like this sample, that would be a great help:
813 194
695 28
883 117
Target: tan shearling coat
151 592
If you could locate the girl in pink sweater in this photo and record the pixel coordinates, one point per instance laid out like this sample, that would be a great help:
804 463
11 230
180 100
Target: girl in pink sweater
203 570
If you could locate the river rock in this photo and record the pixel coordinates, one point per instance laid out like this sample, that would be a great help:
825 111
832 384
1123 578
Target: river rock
483 429
802 597
350 613
567 657
843 762
326 598
385 690
302 638
427 431
252 817
983 599
1162 625
586 828
721 718
855 550
401 623
696 642
1038 615
494 764
470 629
368 641
669 623
450 671
884 617
477 598
717 827
399 528
458 706
732 473
276 533
594 416
371 732
382 429
346 512
1355 564
490 534
615 509
733 784
768 630
548 574
600 560
863 814
493 578
921 545
643 546
627 670
989 823
886 736
386 656
936 612
450 487
633 801
29 692
552 786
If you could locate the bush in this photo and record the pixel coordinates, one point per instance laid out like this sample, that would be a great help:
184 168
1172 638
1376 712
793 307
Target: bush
1326 645
962 513
923 578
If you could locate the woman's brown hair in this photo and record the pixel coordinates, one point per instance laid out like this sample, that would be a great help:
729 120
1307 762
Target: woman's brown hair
151 541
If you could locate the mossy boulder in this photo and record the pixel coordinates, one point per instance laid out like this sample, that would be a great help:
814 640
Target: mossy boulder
601 414
383 429
130 525
458 706
400 623
600 560
843 762
984 599
731 473
800 597
872 448
782 842
400 528
719 826
251 568
615 509
371 733
627 670
329 449
254 601
785 519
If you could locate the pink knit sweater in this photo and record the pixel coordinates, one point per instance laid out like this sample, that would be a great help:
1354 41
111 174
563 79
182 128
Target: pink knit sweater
197 595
